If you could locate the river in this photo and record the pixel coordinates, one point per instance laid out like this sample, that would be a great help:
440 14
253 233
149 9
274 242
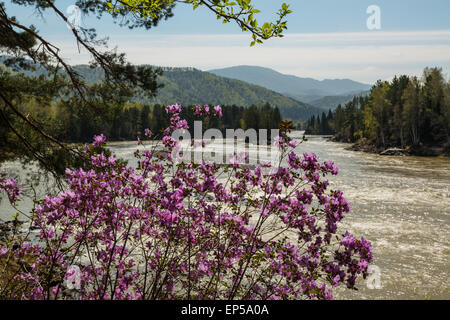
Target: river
400 204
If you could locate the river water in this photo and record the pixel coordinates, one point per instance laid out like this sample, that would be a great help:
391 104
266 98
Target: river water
400 204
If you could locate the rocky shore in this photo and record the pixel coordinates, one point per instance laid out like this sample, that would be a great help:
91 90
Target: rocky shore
364 145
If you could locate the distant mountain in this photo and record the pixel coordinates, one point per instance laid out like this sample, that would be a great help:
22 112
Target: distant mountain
331 102
289 84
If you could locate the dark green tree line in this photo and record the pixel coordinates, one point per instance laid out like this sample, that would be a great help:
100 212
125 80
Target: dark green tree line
132 121
404 112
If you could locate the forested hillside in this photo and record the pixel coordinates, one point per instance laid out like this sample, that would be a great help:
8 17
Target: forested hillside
191 86
406 112
188 86
331 102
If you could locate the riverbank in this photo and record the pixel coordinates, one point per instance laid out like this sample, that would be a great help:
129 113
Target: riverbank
364 145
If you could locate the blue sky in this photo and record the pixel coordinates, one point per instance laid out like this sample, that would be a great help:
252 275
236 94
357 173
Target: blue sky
325 38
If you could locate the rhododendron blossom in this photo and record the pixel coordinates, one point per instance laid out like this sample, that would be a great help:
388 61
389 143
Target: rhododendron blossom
218 111
99 140
11 187
185 230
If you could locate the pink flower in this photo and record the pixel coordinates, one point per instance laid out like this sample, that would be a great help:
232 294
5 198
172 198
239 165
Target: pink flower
99 140
218 111
111 161
293 143
173 109
203 267
192 227
11 187
244 157
198 110
234 160
278 141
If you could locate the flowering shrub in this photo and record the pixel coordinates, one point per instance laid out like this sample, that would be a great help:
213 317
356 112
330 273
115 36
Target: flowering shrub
11 187
184 230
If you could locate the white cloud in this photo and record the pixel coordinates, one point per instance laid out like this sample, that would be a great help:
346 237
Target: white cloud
362 56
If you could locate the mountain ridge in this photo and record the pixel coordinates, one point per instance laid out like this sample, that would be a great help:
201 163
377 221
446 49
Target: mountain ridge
291 84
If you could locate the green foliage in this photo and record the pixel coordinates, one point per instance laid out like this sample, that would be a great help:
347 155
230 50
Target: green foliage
403 112
331 102
243 12
320 124
135 118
